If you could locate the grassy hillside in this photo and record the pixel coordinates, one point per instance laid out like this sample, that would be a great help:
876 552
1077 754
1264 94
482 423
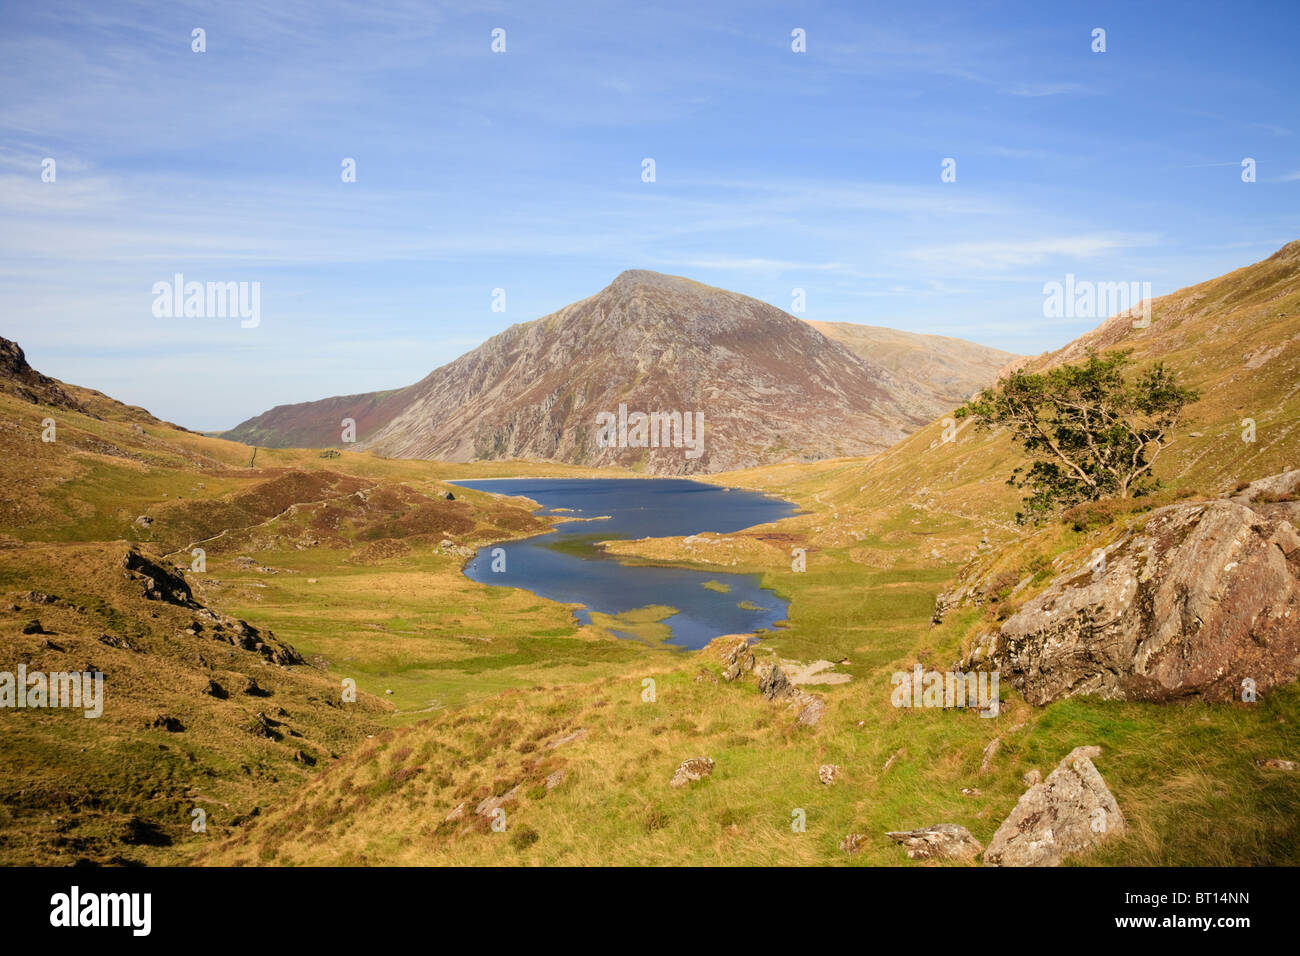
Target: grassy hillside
342 557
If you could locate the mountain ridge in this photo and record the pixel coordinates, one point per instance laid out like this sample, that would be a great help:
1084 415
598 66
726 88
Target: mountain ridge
770 387
949 368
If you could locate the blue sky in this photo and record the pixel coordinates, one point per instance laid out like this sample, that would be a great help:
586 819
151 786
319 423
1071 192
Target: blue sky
775 170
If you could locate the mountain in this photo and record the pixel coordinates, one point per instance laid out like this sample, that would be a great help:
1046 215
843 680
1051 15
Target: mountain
766 386
948 369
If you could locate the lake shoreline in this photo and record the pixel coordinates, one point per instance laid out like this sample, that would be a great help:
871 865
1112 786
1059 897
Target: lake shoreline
596 584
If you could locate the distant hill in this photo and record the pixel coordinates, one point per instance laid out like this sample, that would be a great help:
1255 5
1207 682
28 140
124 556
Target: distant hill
948 369
770 387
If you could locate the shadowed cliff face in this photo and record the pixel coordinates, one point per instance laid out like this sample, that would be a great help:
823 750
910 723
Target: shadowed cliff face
768 386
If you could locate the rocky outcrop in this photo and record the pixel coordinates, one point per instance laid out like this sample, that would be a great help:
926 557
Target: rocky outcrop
160 583
811 709
772 682
775 685
691 770
1277 496
943 841
166 583
555 778
1202 597
244 635
20 379
734 653
1069 812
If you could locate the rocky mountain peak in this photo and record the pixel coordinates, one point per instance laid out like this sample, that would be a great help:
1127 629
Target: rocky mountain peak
634 279
645 298
763 385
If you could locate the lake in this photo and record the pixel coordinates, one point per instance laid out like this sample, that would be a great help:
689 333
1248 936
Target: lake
564 565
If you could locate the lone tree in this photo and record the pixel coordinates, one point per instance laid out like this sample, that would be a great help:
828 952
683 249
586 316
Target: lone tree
1090 431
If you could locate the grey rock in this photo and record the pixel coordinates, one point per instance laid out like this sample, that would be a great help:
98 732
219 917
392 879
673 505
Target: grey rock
1069 812
161 583
773 684
943 841
486 807
691 770
812 711
990 751
852 843
737 657
1202 597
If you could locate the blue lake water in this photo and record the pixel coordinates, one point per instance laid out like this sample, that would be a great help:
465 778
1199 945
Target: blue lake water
563 565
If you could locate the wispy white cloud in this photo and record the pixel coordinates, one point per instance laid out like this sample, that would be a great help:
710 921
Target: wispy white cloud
993 255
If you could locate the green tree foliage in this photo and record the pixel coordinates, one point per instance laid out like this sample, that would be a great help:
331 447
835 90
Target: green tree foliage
1092 430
